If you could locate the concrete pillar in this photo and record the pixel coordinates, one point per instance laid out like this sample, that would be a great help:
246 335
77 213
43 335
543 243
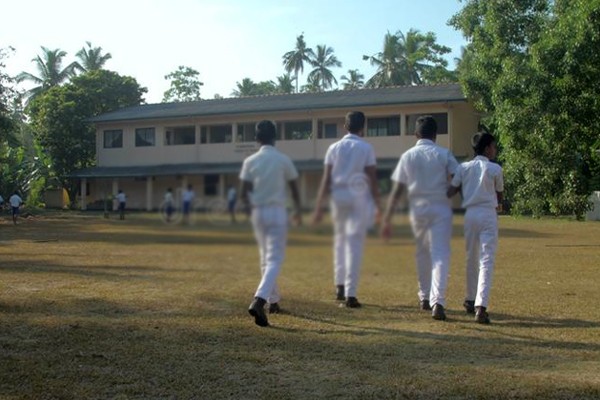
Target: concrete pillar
315 135
149 187
83 194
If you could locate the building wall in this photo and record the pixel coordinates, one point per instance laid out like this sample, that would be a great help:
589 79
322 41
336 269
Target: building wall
149 192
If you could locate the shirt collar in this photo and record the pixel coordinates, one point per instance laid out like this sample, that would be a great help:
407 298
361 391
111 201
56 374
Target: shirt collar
350 135
482 158
425 142
266 147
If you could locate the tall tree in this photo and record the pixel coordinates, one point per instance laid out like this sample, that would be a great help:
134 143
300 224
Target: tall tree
410 59
60 118
247 87
532 66
354 80
293 61
321 61
50 71
285 84
91 58
185 85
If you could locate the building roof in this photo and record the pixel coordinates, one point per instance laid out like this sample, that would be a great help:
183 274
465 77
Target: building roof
196 169
289 102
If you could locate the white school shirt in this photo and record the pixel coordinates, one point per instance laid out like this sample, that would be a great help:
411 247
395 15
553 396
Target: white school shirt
269 170
121 197
425 169
188 196
15 200
169 198
348 158
480 180
231 194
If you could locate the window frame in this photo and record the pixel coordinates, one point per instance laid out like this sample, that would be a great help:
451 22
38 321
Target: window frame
145 131
384 126
177 132
410 131
111 144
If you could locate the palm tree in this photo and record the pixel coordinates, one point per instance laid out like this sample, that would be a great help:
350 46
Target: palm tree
389 68
245 88
312 85
285 84
354 80
91 58
294 60
322 61
50 72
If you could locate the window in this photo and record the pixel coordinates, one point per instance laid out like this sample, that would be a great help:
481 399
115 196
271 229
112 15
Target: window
144 137
180 135
204 135
113 139
220 134
211 184
440 118
388 126
297 130
246 132
328 130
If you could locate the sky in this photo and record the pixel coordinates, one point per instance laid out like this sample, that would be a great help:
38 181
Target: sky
224 40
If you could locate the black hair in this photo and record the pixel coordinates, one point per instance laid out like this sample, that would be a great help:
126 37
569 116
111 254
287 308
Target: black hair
426 127
266 132
480 141
355 121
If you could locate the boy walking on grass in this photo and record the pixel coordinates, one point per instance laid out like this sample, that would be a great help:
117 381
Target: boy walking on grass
481 183
423 172
264 177
350 179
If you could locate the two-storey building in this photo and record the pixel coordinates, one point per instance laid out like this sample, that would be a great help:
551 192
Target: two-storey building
146 149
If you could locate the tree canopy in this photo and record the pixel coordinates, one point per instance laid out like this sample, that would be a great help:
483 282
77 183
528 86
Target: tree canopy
185 85
60 116
533 68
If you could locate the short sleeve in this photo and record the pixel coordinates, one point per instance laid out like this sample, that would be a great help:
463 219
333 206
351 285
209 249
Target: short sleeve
396 175
452 164
290 171
371 159
329 156
499 180
457 178
245 174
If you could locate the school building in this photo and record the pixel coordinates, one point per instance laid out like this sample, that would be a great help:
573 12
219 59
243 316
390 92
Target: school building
144 150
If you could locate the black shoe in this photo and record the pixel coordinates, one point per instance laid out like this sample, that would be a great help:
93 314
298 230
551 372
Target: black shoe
340 295
425 305
438 312
469 306
257 310
274 308
352 302
481 315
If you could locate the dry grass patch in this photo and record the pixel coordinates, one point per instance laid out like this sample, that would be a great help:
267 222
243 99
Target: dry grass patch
136 309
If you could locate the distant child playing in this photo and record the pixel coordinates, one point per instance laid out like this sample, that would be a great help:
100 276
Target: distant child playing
481 183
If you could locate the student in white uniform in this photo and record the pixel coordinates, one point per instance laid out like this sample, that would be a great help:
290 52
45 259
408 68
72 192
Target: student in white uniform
264 176
188 199
423 171
350 179
15 204
482 184
122 200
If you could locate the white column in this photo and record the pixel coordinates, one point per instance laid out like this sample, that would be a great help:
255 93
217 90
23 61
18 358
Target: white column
83 193
403 126
315 135
234 133
115 190
149 184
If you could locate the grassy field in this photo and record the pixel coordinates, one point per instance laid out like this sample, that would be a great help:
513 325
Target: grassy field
105 309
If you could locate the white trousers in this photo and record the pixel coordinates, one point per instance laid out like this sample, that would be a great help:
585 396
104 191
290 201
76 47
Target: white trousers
350 223
270 230
432 227
481 237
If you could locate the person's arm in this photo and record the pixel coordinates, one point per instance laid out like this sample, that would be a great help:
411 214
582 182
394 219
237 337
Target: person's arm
500 197
371 172
452 190
297 214
245 189
386 225
323 192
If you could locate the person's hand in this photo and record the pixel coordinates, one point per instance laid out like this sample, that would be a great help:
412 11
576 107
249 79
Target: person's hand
386 231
